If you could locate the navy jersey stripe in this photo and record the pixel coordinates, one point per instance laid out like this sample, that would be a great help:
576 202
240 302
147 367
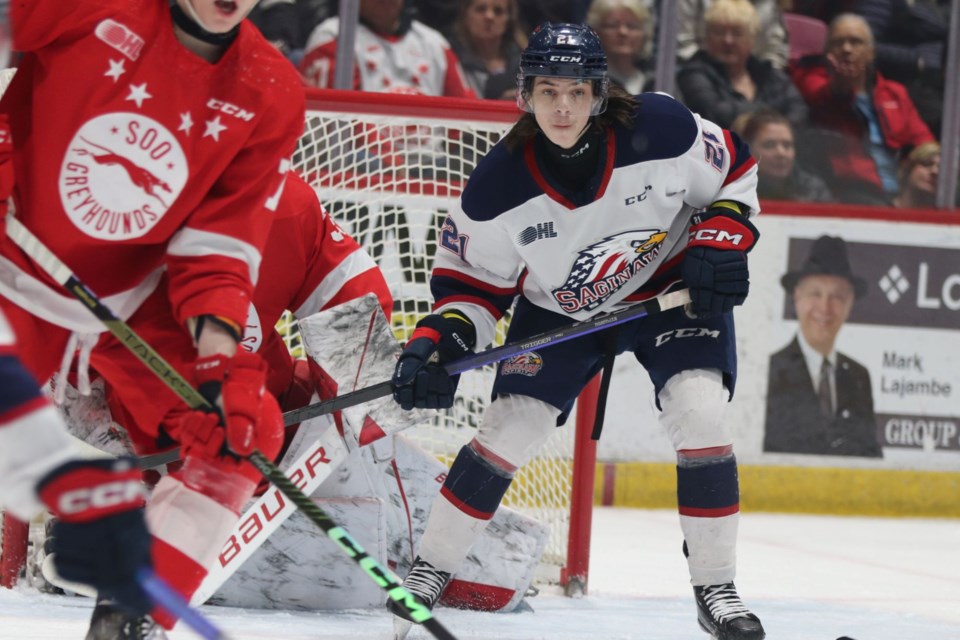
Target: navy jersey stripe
740 159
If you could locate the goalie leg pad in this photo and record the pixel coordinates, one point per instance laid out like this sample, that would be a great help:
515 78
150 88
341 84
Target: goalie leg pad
514 428
693 403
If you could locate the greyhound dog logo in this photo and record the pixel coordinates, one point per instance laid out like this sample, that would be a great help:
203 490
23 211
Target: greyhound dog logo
138 175
120 175
602 268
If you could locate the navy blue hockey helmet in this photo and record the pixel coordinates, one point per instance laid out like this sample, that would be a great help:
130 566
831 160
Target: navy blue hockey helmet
564 50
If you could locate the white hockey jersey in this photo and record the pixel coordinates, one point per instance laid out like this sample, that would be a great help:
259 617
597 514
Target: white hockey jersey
418 60
579 254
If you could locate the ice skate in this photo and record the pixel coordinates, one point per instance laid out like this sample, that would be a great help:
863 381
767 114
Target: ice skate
426 584
722 614
109 622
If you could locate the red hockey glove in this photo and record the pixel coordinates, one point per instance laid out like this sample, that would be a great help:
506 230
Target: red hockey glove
246 416
419 379
100 537
715 264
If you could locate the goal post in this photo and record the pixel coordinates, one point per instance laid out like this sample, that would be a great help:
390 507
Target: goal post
389 167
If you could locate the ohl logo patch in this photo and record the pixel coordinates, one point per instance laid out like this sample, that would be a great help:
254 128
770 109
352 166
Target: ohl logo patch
120 174
525 364
604 267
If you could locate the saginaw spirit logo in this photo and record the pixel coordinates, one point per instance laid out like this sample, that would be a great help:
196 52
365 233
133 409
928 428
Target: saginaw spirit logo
526 364
604 267
121 173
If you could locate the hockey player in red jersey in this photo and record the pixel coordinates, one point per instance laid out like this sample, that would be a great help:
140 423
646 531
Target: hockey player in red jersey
593 199
97 543
151 138
309 264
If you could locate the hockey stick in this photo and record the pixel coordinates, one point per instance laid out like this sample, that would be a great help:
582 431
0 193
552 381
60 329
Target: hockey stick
496 354
475 361
175 605
57 270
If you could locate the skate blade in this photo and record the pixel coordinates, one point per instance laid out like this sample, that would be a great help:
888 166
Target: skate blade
401 628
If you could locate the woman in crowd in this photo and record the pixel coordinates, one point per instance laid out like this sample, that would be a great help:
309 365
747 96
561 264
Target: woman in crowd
725 79
487 41
919 177
771 140
625 29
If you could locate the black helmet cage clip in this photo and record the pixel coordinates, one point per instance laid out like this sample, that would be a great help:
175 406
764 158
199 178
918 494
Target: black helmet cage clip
563 50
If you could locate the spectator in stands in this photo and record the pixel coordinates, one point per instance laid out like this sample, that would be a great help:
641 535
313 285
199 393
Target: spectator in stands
911 43
393 53
771 35
287 23
919 176
487 40
625 30
725 79
864 120
771 141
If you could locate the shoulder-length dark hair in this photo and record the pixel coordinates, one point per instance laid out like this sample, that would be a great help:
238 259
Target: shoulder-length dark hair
620 109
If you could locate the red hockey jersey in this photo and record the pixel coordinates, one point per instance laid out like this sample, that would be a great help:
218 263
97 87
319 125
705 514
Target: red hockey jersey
134 155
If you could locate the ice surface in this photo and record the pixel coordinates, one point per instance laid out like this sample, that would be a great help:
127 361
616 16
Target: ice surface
807 577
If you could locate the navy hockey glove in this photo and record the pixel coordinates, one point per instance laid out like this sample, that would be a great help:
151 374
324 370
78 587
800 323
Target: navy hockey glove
100 537
715 264
420 380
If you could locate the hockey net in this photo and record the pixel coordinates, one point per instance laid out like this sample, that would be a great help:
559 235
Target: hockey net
388 168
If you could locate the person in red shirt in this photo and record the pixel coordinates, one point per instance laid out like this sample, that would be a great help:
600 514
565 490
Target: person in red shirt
172 163
862 120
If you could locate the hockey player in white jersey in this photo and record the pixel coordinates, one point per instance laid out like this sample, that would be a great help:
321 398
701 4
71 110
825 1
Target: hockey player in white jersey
593 200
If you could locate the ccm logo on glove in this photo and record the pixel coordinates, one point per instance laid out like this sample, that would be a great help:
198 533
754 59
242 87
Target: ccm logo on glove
105 496
720 230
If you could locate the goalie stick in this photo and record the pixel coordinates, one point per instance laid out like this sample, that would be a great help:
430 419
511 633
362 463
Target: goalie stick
59 271
475 361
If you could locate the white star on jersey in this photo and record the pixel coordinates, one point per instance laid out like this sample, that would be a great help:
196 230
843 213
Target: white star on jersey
116 69
186 122
214 127
138 93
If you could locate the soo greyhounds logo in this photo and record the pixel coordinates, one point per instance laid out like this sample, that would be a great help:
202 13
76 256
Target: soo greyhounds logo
120 174
604 267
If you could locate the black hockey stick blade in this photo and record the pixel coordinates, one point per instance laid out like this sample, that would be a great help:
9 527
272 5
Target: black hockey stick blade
496 354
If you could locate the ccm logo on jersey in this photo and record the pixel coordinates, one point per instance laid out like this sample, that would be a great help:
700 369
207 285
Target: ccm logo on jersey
120 38
105 496
230 109
564 58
